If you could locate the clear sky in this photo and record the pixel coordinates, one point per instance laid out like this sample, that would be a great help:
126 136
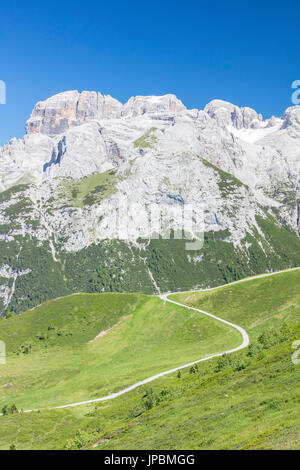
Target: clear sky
244 52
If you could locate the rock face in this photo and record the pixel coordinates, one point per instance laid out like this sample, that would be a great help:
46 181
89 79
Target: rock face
139 105
228 114
291 118
72 135
69 109
85 153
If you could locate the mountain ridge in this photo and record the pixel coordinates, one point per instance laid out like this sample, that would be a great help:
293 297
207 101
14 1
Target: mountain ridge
86 153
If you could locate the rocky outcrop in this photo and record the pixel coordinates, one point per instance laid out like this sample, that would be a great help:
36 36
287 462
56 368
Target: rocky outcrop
66 110
69 109
291 118
72 135
228 114
139 105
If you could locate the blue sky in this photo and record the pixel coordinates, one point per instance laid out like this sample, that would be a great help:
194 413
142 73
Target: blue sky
244 52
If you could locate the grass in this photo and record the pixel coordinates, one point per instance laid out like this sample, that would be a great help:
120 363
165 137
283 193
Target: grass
147 140
255 408
227 183
52 362
255 304
285 193
89 190
12 192
251 402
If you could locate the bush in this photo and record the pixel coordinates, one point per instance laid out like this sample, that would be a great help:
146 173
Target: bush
269 337
194 369
9 314
273 336
223 362
25 348
9 410
81 439
254 349
135 412
150 399
41 336
237 362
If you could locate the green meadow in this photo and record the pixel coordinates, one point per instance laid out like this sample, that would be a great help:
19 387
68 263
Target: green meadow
247 400
255 304
88 190
55 356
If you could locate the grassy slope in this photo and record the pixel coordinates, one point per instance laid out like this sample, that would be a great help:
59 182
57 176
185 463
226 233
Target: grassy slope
63 367
255 407
254 304
88 190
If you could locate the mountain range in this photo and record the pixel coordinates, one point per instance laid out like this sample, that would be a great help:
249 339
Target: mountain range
84 153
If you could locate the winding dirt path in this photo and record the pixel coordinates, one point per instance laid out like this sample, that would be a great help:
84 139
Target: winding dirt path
164 297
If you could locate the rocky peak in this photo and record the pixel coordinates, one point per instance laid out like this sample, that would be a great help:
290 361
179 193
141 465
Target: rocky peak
138 105
71 108
228 114
291 118
273 121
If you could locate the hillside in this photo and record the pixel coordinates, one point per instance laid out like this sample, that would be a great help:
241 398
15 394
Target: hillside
249 399
90 345
256 304
106 196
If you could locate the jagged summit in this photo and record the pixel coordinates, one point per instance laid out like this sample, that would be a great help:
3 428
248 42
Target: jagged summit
71 108
74 134
68 109
229 114
291 117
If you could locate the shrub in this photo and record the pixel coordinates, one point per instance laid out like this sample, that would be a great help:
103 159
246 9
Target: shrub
150 399
9 410
194 369
25 348
223 362
81 439
4 410
239 363
273 336
254 349
41 336
9 314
